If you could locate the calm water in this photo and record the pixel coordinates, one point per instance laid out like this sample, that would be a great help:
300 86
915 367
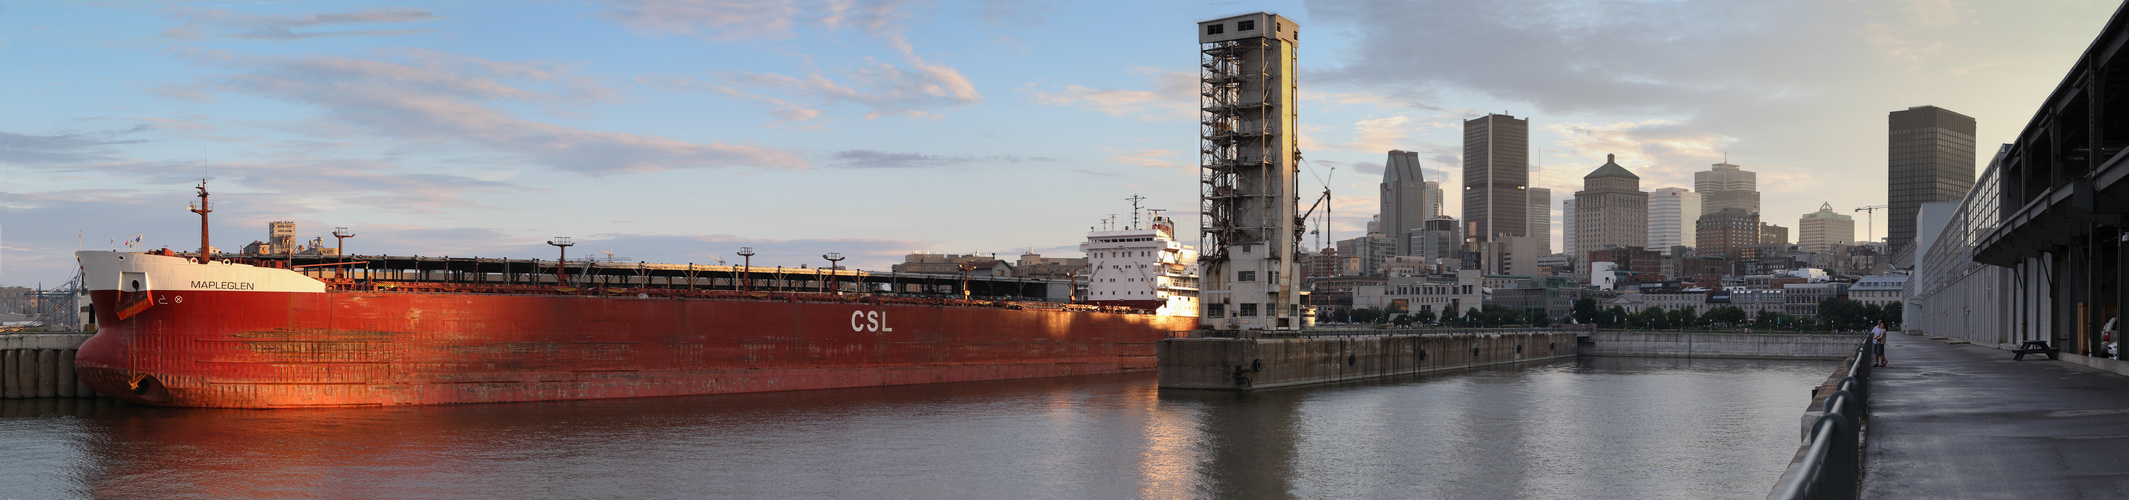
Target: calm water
1593 428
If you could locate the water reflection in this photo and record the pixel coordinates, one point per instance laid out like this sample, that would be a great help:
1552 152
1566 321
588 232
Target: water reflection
1597 427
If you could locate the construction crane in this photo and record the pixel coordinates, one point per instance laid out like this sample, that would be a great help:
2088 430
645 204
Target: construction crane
1870 213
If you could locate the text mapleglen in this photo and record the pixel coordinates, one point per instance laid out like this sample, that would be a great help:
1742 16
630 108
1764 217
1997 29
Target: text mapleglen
224 285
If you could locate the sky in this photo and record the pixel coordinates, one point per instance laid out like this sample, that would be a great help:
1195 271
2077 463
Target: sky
681 131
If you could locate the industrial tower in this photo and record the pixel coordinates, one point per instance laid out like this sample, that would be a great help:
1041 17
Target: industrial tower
1249 160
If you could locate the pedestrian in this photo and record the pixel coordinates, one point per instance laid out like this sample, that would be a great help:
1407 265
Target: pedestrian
1877 341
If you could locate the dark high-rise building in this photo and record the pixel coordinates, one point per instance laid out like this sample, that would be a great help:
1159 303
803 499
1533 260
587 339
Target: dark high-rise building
1404 200
1496 172
1929 158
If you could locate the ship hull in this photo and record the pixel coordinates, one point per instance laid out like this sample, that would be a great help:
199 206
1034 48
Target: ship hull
249 348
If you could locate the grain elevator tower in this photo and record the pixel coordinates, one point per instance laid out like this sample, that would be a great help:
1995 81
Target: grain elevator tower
1249 173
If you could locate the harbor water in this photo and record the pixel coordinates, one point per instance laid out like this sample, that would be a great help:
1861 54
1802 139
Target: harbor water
1587 428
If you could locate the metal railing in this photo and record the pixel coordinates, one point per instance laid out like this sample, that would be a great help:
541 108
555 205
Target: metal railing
1832 466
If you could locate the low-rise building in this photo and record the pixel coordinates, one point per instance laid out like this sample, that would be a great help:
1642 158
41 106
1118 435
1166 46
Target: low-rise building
1461 292
1878 290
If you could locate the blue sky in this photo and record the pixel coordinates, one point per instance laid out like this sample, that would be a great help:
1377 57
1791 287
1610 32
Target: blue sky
681 131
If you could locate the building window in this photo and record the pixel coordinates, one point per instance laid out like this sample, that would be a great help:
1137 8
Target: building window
1215 310
1249 309
1245 275
1245 26
1215 29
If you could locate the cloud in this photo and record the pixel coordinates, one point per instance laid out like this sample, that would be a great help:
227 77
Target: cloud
428 96
1662 152
283 28
1378 134
917 87
867 158
1153 158
1174 97
68 148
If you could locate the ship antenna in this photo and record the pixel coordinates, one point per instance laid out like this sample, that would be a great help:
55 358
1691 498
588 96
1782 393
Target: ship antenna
203 209
1134 210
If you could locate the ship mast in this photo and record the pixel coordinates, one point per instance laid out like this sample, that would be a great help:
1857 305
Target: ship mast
202 209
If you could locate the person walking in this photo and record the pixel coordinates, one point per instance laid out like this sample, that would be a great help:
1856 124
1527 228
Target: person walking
1877 342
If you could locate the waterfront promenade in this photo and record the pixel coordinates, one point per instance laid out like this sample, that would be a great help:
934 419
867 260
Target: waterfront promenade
1965 421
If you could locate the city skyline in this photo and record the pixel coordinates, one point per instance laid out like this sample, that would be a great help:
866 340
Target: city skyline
680 134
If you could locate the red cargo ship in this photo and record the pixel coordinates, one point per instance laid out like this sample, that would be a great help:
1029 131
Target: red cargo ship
174 331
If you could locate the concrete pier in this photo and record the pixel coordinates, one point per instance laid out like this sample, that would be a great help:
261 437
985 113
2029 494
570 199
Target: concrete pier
40 365
1241 364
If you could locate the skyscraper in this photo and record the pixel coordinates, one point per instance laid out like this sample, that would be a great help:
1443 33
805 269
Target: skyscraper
1930 158
1671 212
1248 153
1726 232
1611 210
1726 186
1541 219
1434 198
1567 230
1404 200
1496 171
1820 231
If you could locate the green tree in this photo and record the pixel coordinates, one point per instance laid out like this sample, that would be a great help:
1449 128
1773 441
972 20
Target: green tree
1892 313
1423 316
1449 317
1615 317
1539 319
1366 315
1585 310
1765 319
1473 316
1729 315
1683 317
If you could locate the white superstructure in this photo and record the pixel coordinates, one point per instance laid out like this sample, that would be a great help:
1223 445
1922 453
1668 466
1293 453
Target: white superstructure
1143 267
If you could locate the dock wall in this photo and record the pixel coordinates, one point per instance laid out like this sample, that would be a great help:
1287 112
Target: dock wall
40 365
1264 363
1722 345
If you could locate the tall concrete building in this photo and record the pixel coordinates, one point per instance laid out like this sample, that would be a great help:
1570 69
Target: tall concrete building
1820 231
1930 158
1724 233
1441 238
1671 212
1541 219
1611 210
1249 189
1567 230
1727 186
1404 200
1496 172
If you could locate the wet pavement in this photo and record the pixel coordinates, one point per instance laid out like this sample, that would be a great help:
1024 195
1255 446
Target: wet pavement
1966 421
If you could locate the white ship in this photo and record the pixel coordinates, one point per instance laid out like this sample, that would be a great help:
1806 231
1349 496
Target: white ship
1143 268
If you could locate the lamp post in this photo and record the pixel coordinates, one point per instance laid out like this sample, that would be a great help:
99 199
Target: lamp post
561 264
746 283
833 257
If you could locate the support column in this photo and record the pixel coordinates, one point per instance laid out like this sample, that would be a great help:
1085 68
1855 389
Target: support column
47 382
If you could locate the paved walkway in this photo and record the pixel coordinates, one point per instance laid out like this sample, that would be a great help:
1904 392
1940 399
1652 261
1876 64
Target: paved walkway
1965 421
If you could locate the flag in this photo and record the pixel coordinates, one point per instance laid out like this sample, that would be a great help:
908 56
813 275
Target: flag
134 241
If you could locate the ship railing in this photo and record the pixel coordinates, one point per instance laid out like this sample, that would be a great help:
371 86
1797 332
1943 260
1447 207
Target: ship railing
1832 465
677 293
